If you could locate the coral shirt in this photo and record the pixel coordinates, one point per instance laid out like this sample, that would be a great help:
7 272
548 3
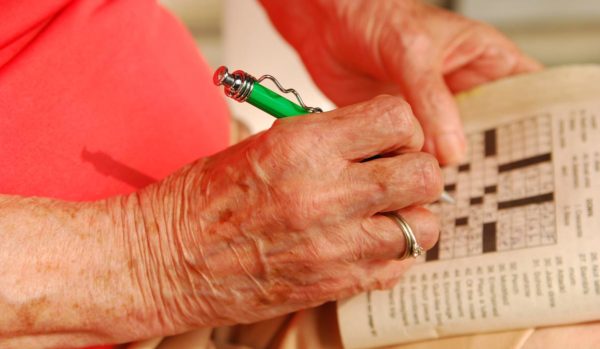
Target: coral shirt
100 97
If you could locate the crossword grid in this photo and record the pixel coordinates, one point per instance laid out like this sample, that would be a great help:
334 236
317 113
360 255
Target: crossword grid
504 192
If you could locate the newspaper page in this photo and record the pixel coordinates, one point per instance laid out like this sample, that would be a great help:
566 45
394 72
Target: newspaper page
519 248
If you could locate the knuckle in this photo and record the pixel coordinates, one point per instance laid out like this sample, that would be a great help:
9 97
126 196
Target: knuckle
428 176
396 113
397 117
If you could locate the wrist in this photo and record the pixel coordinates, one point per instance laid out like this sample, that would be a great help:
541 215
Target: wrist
160 225
119 219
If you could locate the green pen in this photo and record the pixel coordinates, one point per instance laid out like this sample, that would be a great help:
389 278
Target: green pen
243 87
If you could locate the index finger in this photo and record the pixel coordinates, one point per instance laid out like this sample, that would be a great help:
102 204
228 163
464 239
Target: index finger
383 125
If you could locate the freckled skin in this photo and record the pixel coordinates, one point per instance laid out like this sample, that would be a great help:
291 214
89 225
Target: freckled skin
287 219
66 275
302 229
28 313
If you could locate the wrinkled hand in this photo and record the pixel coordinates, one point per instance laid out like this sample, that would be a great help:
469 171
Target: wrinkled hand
289 218
356 49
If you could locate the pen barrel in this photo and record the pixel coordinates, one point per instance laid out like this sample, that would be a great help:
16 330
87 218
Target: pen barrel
273 103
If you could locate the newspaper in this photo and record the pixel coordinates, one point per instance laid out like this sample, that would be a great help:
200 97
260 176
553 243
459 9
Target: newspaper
521 246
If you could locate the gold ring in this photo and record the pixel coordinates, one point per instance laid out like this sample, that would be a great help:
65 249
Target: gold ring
412 246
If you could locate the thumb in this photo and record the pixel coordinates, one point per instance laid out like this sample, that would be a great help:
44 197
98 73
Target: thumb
435 107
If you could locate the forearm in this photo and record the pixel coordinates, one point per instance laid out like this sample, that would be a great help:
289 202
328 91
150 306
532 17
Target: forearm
76 274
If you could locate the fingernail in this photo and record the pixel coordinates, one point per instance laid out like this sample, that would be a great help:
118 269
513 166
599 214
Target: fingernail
451 148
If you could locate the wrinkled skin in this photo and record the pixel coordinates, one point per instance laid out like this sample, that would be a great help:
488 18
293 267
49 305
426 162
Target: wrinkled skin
357 49
289 218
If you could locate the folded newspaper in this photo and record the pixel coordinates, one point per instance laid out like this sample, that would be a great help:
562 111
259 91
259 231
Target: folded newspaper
521 245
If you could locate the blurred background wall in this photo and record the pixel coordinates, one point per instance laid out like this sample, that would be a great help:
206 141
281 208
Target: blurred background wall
238 34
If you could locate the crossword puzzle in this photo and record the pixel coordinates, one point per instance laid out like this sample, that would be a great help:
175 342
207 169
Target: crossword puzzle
504 192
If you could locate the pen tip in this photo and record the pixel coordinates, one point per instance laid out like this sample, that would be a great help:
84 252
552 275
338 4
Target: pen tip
447 198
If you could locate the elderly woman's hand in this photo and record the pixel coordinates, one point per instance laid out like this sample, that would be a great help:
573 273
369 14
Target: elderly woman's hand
356 49
287 219
290 218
